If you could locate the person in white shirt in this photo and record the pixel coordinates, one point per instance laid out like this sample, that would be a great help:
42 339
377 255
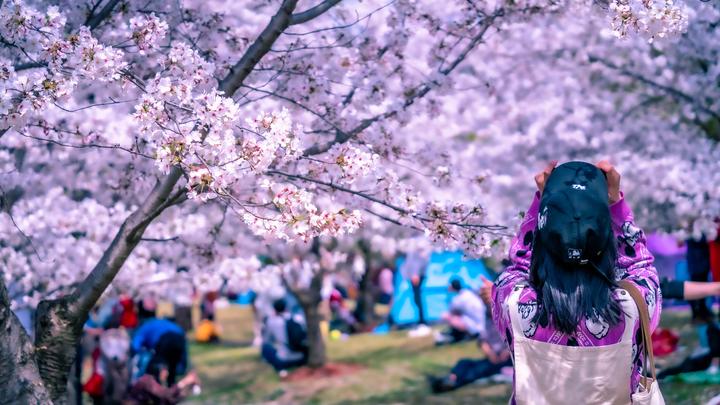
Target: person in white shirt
278 349
466 317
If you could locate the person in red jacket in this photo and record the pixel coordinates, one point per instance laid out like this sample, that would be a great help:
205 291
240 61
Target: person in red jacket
715 255
128 315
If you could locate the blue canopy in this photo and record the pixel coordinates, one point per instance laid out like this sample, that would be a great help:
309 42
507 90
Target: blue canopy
441 268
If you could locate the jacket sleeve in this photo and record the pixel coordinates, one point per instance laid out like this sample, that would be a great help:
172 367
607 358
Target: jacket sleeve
138 339
518 270
635 263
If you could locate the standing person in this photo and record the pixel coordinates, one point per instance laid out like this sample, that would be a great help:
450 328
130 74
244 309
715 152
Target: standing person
714 252
572 331
698 262
466 317
166 342
386 289
207 306
414 270
386 286
182 296
284 344
128 313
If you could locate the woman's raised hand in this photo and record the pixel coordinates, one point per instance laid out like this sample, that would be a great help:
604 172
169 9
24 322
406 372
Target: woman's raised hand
542 177
613 180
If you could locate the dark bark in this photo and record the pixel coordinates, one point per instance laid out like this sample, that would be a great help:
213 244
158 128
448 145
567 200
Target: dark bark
240 71
58 332
316 344
310 300
365 310
20 381
307 15
365 307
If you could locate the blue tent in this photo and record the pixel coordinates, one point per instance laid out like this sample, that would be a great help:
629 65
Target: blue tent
441 268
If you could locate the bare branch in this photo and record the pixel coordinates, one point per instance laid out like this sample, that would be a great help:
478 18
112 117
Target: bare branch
312 13
95 19
240 71
174 238
17 227
85 146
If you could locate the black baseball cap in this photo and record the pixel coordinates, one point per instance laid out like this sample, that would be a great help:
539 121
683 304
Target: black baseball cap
574 219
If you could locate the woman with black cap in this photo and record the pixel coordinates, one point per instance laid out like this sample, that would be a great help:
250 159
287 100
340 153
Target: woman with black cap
564 304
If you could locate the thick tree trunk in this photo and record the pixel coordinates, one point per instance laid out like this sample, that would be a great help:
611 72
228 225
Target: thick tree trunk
58 331
20 381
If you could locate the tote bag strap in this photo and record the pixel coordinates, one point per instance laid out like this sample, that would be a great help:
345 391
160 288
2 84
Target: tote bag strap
644 328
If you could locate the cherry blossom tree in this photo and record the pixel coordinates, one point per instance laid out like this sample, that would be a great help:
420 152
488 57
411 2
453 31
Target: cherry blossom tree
568 89
151 135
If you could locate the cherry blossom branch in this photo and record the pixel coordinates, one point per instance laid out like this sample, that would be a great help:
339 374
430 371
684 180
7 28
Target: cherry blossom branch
403 211
417 93
131 231
92 22
392 220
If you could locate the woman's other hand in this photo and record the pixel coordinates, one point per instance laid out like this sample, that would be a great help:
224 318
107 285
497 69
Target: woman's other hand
542 177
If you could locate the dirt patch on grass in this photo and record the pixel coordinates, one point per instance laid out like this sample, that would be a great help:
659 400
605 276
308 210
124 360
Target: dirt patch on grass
328 370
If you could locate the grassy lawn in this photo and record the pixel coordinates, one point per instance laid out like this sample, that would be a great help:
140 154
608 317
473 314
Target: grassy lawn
393 370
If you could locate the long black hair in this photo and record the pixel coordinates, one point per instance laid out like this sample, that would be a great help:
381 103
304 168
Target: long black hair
567 293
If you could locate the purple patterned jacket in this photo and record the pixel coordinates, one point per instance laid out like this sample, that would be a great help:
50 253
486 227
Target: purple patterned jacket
634 263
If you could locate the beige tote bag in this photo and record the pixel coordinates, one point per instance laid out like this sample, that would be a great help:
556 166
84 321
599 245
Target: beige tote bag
648 392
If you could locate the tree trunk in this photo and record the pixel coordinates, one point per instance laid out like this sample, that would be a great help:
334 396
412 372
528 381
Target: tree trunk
365 309
310 300
20 381
316 344
58 331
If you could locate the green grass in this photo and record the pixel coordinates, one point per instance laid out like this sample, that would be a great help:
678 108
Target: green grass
393 370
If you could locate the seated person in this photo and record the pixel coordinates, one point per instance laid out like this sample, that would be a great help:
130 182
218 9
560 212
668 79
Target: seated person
467 315
166 341
284 340
342 318
151 390
207 331
467 371
694 290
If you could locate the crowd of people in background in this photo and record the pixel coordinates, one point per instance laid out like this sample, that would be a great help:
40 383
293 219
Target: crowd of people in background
139 358
136 357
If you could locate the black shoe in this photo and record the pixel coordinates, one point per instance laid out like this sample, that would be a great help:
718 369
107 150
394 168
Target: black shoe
440 384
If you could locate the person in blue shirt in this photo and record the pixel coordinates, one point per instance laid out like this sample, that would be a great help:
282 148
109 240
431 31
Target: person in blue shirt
166 341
